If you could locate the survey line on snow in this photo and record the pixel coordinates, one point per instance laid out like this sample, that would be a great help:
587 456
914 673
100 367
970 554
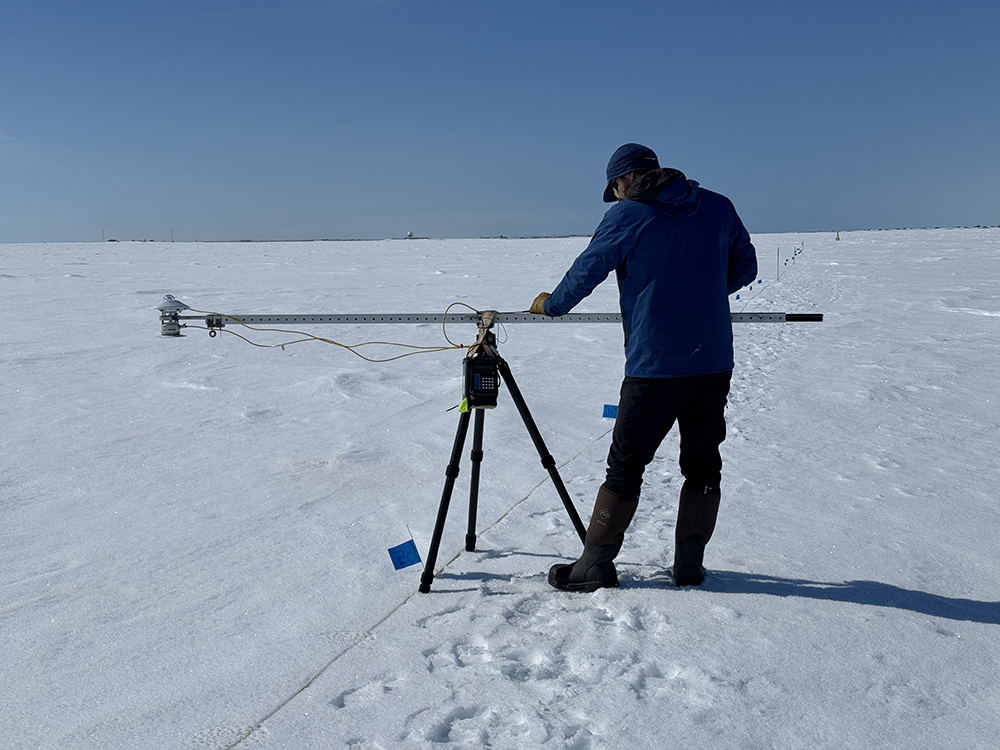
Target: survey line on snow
309 683
363 636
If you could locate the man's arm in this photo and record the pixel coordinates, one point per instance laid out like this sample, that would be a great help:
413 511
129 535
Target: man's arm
742 257
606 250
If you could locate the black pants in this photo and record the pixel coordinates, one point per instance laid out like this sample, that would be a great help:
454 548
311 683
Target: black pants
647 411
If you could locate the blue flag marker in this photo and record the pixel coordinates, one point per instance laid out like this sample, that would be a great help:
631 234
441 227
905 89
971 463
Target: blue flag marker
610 411
404 555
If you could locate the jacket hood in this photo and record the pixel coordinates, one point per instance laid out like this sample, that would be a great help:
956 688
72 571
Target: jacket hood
666 189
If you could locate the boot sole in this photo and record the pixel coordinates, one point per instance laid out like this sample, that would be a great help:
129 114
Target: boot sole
582 586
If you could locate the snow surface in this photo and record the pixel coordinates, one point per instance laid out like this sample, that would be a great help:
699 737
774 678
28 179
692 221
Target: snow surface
194 530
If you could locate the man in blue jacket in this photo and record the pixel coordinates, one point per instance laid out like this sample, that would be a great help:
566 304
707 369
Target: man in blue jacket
678 252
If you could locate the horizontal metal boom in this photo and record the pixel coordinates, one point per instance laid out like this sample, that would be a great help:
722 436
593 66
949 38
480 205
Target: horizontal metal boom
218 321
172 313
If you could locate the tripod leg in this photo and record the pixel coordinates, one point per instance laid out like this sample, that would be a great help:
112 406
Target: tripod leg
547 461
451 473
477 460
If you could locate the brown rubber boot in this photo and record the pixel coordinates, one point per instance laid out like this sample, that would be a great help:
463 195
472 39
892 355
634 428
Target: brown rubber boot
595 569
696 518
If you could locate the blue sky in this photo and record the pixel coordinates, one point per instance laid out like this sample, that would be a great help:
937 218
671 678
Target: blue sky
297 119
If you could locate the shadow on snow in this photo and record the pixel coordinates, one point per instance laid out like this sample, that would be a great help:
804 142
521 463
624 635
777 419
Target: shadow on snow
871 593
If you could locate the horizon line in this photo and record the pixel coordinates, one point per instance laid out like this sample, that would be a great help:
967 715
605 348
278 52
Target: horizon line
481 237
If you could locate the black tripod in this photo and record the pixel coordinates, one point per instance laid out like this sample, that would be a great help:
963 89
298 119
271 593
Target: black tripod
483 369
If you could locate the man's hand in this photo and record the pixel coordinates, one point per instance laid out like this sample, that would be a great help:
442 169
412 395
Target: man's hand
538 306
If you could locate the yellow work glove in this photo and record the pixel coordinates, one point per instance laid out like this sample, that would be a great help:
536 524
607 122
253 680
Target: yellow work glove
538 306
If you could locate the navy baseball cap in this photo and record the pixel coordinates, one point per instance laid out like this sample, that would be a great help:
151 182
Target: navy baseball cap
632 157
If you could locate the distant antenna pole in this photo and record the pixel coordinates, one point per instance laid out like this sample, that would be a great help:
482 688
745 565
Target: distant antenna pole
171 234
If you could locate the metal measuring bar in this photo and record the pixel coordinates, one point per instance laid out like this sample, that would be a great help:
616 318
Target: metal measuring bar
171 308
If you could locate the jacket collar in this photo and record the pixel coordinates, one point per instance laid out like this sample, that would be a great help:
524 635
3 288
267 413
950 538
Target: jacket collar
648 187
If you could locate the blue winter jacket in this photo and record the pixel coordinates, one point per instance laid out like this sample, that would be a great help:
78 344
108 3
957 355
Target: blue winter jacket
678 251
